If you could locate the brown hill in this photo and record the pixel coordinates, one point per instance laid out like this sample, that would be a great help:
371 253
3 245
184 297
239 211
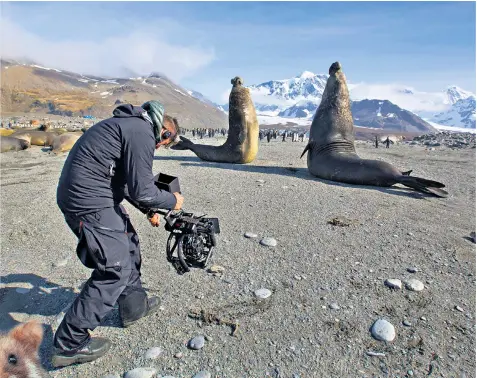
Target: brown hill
28 88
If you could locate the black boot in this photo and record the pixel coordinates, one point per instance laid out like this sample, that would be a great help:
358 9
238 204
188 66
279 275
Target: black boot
96 348
136 306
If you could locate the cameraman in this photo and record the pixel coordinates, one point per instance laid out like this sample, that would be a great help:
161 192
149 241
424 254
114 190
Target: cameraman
112 161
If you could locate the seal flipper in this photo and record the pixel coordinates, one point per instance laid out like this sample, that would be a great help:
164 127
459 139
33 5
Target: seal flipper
423 185
184 144
308 147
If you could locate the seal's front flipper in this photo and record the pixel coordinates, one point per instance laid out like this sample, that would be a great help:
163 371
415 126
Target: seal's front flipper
184 144
425 186
308 146
407 173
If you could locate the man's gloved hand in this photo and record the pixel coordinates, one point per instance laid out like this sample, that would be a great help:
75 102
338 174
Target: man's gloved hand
154 220
179 199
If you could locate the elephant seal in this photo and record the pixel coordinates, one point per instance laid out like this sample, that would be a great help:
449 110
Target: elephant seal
65 142
6 132
331 151
241 145
35 137
8 143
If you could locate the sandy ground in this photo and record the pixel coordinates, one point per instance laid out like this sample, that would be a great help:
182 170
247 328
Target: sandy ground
294 333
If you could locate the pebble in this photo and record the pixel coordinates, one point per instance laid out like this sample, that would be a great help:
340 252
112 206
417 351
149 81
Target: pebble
383 330
216 269
458 308
250 235
375 354
423 318
112 376
22 290
263 293
410 373
269 242
60 263
334 306
393 283
260 181
178 355
412 270
414 285
197 342
202 374
153 353
407 323
141 373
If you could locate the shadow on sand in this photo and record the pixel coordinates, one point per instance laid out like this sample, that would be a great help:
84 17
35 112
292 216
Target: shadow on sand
302 173
43 298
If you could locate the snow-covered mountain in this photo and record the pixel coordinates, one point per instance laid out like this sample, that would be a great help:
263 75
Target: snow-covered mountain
460 114
201 97
454 94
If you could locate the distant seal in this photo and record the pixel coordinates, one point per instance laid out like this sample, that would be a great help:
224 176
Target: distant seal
65 142
8 143
35 137
6 132
241 145
331 152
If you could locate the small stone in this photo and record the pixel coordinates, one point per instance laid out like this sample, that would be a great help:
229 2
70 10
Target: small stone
178 355
393 283
216 269
407 323
115 375
458 308
202 374
197 342
414 285
284 187
60 263
423 318
263 293
375 354
141 373
153 353
269 242
410 373
412 270
383 330
208 338
260 181
298 278
334 306
22 290
410 234
250 235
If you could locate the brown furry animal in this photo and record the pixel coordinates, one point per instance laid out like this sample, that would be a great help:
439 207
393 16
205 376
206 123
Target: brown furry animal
19 352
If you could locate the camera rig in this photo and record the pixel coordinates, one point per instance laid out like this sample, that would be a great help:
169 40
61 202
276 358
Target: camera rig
192 238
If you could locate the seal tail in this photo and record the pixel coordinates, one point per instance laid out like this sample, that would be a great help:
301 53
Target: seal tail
184 144
424 186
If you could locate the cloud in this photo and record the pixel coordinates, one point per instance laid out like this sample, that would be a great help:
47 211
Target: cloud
141 51
404 96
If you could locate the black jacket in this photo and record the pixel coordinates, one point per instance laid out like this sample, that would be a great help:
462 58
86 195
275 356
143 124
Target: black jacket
112 161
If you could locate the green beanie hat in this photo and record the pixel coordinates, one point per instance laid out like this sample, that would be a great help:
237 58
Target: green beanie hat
155 111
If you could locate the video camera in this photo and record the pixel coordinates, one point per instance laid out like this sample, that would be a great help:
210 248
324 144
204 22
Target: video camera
192 238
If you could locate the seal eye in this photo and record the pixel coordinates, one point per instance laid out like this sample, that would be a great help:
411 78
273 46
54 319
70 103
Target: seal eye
12 359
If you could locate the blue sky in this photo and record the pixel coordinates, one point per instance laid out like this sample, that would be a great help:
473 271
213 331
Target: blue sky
202 45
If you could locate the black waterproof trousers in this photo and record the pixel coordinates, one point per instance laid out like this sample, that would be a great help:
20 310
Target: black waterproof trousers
107 243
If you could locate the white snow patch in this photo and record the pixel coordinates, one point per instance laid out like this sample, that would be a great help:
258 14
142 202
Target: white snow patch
104 94
83 80
452 128
270 120
182 93
6 68
112 81
45 68
390 115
